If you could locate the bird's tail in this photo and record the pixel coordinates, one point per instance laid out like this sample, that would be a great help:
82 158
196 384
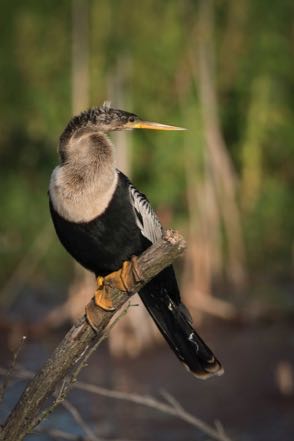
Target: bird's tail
162 300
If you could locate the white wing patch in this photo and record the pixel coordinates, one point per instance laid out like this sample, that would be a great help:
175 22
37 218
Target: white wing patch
146 219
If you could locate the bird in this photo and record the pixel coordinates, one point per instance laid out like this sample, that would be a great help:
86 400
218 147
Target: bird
103 221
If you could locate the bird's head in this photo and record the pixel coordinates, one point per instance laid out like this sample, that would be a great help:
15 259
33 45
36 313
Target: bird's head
106 119
86 129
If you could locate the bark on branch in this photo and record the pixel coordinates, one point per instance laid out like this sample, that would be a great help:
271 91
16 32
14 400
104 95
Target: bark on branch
78 344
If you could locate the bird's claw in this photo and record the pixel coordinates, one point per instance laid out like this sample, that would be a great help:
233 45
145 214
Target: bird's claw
102 300
124 279
102 297
130 274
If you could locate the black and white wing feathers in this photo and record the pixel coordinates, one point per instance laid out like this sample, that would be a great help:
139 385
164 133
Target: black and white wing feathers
146 218
161 297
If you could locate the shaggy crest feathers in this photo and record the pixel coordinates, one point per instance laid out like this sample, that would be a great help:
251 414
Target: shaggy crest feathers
97 118
84 119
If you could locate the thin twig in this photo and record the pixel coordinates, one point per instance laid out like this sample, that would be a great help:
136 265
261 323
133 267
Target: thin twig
171 406
171 400
46 412
79 419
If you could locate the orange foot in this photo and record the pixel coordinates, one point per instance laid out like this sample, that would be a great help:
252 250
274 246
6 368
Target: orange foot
102 297
124 279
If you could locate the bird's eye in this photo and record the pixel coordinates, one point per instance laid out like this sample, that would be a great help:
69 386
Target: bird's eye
131 119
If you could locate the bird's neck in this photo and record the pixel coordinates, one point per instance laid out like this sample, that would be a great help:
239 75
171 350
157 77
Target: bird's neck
82 186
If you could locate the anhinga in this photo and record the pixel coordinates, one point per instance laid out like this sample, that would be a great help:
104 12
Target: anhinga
103 220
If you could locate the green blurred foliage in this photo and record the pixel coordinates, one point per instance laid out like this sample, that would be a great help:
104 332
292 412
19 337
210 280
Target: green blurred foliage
255 86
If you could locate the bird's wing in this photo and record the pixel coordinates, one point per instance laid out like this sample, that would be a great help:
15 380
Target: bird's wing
146 218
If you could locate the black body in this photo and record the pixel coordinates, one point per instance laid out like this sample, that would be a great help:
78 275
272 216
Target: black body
113 237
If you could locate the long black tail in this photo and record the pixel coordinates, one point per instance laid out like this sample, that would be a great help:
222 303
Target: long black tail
162 299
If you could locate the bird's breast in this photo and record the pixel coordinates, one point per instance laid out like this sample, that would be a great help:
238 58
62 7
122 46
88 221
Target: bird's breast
77 201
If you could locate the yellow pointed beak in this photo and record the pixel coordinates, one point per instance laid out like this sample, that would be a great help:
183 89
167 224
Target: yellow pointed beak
151 125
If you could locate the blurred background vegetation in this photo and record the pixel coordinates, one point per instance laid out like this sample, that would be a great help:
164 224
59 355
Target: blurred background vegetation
224 69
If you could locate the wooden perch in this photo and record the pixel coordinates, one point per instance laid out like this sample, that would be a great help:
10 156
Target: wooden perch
78 344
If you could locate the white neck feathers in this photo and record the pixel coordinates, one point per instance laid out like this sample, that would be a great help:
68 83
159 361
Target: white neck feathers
82 187
85 203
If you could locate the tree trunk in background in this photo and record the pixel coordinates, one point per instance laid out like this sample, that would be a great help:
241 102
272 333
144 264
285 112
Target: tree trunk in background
258 121
220 164
232 46
80 55
215 241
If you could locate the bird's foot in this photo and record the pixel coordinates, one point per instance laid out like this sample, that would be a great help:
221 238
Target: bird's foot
130 274
102 297
124 279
